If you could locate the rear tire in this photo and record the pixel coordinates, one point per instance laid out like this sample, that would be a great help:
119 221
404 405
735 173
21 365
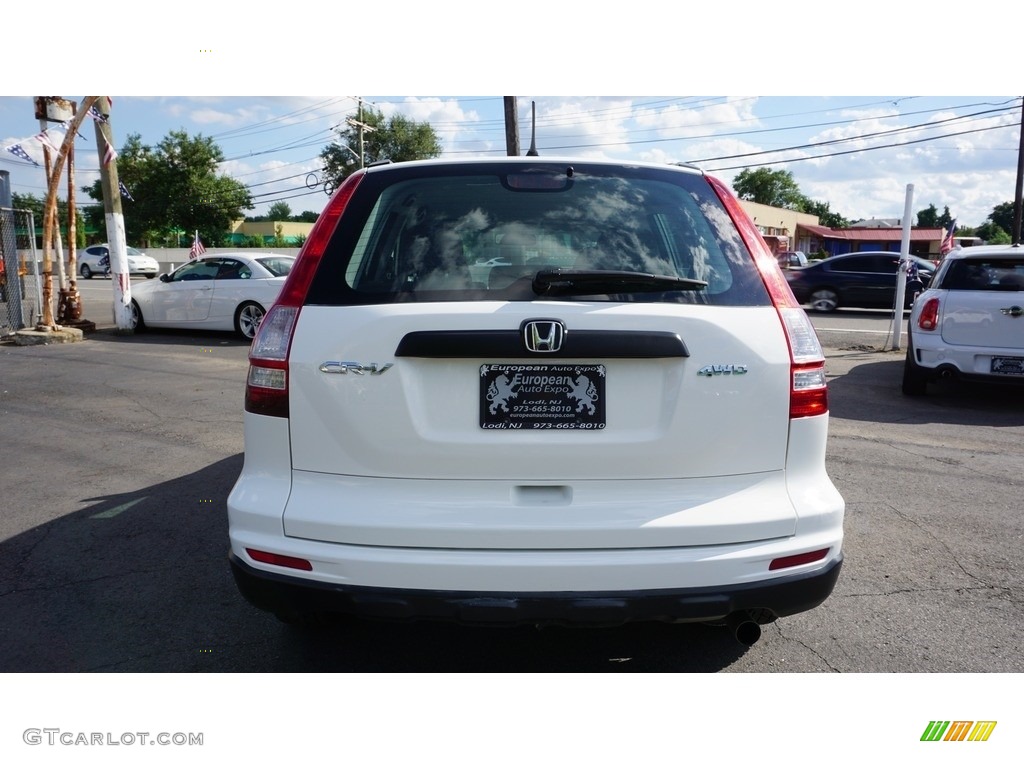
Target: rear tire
824 300
247 319
915 381
86 272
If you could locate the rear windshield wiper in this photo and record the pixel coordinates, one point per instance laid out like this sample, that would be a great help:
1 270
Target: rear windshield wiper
586 282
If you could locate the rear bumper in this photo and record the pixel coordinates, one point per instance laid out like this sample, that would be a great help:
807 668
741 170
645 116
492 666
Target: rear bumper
935 360
764 600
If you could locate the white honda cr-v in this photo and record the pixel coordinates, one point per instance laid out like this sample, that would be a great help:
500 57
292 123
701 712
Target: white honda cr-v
529 390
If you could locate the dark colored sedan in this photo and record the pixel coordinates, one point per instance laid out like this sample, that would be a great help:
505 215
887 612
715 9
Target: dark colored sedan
866 279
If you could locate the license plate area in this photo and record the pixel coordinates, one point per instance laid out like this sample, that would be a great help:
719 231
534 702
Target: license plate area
542 396
1008 366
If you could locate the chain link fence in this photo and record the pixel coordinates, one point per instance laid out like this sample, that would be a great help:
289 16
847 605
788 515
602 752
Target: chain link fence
21 295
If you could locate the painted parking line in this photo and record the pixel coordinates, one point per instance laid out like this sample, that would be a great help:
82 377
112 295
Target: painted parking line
115 511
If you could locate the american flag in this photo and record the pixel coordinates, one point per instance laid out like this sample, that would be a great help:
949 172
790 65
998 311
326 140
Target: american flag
124 191
43 138
94 113
109 154
947 241
197 249
18 151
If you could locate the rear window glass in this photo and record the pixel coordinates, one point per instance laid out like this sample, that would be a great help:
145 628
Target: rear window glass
463 233
995 274
278 266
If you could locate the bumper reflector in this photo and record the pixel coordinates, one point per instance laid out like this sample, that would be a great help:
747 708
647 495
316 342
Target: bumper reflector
791 561
282 560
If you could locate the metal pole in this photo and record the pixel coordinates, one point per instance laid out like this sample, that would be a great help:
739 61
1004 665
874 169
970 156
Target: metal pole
1017 205
35 263
9 252
901 272
116 239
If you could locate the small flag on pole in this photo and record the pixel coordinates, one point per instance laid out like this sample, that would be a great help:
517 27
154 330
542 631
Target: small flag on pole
947 241
18 151
109 155
94 113
44 139
124 191
197 249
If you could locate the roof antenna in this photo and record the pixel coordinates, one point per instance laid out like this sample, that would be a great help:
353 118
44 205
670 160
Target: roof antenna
532 151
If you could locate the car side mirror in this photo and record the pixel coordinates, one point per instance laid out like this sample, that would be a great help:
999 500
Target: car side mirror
165 278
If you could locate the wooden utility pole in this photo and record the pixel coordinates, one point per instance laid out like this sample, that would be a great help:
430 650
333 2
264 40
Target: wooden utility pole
361 127
511 127
117 245
49 213
69 109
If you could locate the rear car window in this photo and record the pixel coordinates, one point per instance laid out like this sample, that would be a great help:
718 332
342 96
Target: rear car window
278 266
996 274
460 233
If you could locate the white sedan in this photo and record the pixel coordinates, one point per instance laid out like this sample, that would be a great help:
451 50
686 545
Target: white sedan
969 323
225 292
95 260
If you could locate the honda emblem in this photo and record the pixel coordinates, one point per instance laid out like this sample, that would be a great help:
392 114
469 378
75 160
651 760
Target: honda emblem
543 336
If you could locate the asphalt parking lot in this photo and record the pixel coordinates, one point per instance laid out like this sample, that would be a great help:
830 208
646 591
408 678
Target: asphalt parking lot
118 453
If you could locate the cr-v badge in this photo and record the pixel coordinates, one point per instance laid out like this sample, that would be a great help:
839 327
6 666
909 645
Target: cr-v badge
333 366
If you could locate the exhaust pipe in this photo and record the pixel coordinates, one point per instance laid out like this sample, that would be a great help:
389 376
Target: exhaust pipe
744 628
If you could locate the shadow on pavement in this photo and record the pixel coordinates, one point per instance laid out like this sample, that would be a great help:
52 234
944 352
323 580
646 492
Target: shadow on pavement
870 391
170 337
139 582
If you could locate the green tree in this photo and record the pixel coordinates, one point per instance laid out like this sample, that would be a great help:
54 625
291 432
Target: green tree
279 211
992 233
37 204
176 185
397 138
1002 217
768 187
307 216
929 217
826 217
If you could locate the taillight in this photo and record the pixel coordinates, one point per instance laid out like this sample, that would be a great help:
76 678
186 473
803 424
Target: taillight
266 387
928 320
808 390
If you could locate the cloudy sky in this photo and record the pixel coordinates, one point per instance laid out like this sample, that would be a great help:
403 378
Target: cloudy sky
856 151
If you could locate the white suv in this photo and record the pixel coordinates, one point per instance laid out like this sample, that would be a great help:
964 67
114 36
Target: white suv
969 323
527 390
